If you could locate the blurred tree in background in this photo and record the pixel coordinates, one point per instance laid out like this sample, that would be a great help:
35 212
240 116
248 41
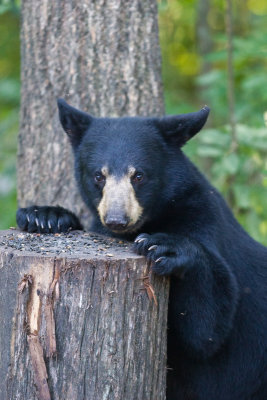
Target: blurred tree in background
194 57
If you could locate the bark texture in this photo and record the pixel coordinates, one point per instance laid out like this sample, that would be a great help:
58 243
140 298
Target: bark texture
101 56
82 319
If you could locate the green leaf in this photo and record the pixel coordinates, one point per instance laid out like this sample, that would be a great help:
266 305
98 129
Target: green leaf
209 151
254 137
4 8
230 163
9 90
242 196
215 137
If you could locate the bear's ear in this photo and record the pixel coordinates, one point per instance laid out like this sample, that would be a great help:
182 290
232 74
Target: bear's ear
179 129
74 122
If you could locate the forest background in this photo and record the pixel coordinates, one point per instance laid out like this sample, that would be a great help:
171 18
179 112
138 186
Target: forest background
194 47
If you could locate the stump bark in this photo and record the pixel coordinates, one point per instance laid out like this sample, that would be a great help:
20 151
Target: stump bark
82 318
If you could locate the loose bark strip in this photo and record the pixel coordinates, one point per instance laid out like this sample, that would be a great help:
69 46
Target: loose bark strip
51 345
35 348
37 294
39 368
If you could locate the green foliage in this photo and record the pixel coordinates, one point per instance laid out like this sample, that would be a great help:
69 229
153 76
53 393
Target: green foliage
241 175
192 79
9 5
9 109
250 76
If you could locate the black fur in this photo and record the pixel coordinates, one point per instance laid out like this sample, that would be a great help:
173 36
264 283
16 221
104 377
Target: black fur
217 338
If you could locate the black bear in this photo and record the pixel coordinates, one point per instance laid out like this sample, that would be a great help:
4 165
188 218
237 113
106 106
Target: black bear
139 185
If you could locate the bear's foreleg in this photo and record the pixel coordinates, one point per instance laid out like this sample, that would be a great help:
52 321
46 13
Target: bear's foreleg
204 290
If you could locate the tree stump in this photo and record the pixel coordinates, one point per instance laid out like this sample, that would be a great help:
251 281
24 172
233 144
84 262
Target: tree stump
82 318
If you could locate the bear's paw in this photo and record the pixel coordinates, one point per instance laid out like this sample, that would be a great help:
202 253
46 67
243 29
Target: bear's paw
46 219
168 254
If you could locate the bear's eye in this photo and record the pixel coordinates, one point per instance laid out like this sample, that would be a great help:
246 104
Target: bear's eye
137 177
99 177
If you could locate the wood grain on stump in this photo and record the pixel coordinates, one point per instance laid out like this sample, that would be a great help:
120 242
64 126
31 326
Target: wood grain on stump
82 318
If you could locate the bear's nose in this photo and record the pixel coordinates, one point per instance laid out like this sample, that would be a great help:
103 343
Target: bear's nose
116 223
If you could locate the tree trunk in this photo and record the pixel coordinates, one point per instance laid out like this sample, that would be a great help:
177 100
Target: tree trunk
204 47
86 322
203 34
101 56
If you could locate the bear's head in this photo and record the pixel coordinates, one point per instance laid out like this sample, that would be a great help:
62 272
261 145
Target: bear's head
128 169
